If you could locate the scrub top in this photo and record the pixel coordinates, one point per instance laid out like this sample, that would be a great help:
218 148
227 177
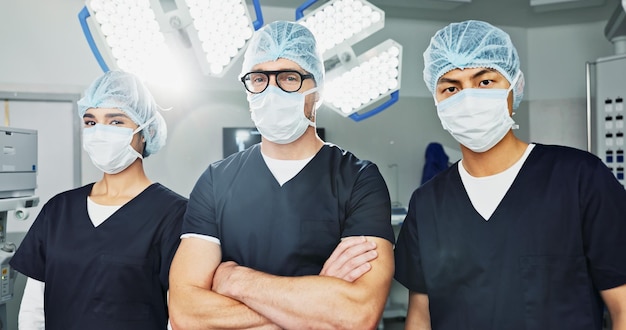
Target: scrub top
114 276
288 230
557 237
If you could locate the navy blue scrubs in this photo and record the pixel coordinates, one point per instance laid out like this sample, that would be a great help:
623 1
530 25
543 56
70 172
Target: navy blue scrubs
114 276
288 230
557 238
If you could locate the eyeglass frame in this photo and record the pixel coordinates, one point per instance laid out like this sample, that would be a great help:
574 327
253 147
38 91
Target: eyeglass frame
275 73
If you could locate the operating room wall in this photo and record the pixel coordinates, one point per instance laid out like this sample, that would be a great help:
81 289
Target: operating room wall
556 75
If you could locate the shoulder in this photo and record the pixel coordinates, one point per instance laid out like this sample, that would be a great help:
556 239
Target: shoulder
236 160
564 157
71 195
344 158
167 192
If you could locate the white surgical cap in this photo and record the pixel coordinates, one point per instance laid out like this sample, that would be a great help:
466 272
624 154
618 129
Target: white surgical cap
472 44
288 40
124 91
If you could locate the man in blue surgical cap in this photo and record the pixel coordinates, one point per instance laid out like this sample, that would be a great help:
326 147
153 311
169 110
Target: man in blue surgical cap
514 235
292 233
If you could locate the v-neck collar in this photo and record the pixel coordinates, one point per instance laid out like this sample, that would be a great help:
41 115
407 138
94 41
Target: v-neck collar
507 195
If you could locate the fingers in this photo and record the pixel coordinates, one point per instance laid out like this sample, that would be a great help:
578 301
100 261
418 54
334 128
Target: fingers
351 258
358 272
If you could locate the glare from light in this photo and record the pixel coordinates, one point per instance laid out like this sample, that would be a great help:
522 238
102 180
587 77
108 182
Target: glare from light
131 31
343 21
223 28
377 75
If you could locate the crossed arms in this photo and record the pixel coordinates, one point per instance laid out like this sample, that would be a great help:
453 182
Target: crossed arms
349 293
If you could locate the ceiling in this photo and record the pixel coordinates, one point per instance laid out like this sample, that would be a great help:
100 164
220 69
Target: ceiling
498 12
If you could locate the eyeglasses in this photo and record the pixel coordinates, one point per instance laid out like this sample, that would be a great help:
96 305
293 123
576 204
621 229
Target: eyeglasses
288 80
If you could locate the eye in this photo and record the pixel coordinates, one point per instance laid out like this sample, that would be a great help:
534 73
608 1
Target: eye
486 82
89 122
289 77
258 79
116 122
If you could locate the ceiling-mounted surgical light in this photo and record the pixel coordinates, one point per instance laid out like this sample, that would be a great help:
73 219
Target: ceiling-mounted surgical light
131 33
222 28
376 75
343 22
152 37
354 84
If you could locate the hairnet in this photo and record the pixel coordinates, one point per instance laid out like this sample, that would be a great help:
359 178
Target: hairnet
472 44
124 91
288 40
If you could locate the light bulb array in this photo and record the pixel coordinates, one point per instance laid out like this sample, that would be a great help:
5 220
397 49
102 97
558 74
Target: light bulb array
376 75
131 31
223 27
343 22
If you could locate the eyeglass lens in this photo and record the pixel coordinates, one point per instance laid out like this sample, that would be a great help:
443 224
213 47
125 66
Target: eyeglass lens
289 81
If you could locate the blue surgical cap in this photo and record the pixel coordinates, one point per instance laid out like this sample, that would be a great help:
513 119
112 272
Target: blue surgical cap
124 91
472 44
288 40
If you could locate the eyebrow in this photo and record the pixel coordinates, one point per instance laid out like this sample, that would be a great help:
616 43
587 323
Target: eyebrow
474 76
108 115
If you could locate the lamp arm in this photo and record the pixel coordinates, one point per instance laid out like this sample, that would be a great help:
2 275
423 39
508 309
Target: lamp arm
258 23
82 17
300 10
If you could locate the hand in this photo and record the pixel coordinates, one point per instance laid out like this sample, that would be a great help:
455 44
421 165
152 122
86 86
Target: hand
350 259
221 278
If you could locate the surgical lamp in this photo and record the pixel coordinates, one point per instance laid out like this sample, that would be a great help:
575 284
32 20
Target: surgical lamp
158 38
354 84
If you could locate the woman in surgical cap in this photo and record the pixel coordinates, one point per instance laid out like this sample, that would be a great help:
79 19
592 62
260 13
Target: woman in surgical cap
515 235
98 256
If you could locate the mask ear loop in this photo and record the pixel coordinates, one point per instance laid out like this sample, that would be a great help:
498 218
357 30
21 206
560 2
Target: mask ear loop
515 126
144 125
314 110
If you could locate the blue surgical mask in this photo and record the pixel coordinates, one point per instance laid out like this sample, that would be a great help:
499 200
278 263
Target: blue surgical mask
278 115
109 146
477 118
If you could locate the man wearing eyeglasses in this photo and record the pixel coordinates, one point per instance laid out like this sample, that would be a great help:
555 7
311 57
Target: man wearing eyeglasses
292 233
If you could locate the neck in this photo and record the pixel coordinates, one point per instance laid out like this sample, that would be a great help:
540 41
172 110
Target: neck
304 147
116 189
495 160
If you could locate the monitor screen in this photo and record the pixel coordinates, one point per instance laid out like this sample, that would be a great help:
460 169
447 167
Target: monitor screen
236 139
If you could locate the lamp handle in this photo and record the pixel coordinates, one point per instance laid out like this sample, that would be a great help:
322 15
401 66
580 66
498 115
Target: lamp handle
82 17
259 15
392 99
300 10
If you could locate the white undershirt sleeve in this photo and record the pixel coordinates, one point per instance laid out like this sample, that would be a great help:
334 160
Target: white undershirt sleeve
31 315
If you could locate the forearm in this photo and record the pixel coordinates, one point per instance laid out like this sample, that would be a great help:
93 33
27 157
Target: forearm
192 304
197 308
308 302
618 321
418 315
615 301
31 314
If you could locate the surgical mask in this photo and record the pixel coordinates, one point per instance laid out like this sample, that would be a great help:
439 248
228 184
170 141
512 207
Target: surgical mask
109 146
278 115
477 118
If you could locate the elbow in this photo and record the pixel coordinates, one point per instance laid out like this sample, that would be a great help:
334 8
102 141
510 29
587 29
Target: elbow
366 319
179 320
370 321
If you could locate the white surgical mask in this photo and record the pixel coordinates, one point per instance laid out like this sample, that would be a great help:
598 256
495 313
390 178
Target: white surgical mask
477 118
278 115
109 146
